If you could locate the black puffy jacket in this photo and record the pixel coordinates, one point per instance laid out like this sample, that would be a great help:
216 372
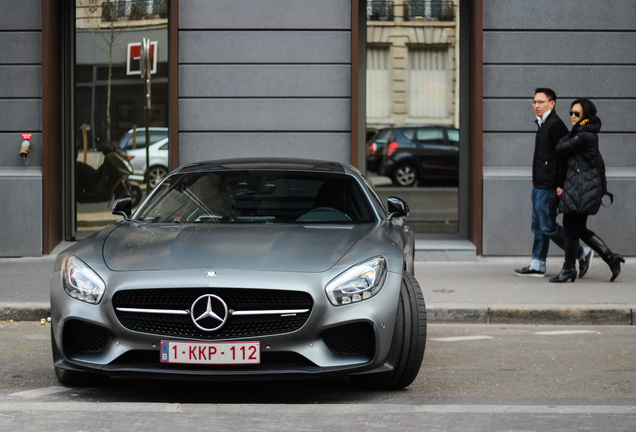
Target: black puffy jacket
582 183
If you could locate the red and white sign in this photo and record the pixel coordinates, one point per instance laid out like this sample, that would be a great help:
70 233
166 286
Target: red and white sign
133 64
27 136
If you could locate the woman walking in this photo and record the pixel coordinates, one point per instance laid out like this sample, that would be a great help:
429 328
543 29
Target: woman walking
582 189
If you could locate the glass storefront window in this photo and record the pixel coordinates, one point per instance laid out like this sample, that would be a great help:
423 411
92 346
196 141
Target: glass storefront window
412 114
110 117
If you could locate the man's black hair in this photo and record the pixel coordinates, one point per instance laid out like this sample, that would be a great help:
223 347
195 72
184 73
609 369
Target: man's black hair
548 92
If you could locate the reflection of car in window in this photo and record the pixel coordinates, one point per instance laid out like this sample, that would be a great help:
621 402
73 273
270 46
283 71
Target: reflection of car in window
421 154
159 155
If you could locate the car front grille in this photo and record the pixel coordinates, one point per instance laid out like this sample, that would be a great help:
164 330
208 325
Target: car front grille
253 312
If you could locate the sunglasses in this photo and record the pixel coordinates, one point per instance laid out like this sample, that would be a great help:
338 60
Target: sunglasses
575 114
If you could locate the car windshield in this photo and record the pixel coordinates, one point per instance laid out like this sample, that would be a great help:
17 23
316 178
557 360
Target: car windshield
257 197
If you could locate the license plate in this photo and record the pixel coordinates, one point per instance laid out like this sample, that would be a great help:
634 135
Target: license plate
211 353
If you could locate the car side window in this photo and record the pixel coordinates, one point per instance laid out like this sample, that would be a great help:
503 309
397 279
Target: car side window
383 136
430 135
140 140
453 136
409 134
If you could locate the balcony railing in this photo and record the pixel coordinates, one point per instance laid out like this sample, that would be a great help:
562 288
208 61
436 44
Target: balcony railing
429 10
378 10
134 10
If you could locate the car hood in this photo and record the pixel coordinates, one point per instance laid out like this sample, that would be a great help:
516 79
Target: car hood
307 248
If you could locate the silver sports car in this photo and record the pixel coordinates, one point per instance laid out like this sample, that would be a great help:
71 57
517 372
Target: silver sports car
244 269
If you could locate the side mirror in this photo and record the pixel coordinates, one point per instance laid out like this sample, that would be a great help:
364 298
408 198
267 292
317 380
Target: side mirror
397 207
123 207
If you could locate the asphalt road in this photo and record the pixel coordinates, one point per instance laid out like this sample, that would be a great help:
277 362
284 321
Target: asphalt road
474 377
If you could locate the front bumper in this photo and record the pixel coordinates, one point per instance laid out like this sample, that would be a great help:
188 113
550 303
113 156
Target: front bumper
332 341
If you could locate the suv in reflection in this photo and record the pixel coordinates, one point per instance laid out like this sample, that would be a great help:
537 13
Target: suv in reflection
421 154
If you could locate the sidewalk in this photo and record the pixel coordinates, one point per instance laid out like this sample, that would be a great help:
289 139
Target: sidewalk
487 291
477 290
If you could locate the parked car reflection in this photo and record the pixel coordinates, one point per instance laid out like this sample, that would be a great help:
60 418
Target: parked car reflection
158 162
420 154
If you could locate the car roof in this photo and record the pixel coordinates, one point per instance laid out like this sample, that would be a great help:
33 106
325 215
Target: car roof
292 164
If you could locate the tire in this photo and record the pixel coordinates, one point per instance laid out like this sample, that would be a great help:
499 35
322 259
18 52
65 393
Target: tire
409 341
405 175
156 174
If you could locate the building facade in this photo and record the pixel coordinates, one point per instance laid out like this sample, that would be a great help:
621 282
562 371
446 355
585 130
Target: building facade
579 51
288 78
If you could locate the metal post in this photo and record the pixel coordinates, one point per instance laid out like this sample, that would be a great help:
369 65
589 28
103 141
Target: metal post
146 68
148 106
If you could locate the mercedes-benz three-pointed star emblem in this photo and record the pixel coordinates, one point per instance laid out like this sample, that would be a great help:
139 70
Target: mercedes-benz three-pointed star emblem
209 312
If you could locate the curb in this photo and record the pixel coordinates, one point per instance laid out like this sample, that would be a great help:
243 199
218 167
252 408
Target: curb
441 314
24 311
533 314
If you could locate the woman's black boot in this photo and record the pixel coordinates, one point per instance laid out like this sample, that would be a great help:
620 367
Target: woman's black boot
614 264
568 272
613 260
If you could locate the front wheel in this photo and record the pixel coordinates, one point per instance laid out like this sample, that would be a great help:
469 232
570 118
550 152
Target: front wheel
405 174
409 340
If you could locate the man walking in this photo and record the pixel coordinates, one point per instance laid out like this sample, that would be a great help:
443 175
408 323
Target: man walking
544 184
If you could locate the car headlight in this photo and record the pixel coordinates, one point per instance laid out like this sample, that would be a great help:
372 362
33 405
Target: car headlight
358 283
81 282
